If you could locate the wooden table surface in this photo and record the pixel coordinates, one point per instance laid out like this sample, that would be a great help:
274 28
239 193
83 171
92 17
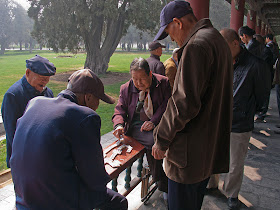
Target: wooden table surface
125 158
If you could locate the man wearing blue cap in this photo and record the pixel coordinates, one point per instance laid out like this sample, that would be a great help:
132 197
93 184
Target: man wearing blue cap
32 84
194 131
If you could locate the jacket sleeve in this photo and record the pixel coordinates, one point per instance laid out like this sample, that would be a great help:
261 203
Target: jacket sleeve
185 102
10 114
166 92
88 155
121 110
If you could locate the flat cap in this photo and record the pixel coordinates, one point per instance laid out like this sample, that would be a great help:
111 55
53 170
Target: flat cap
85 81
154 45
174 9
41 65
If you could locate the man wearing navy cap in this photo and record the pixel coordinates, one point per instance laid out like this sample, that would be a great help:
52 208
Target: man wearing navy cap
57 160
194 131
156 66
32 84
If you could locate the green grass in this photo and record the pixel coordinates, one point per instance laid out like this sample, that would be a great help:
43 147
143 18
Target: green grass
12 68
3 164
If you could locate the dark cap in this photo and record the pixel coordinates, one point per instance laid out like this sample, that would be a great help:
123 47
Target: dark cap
40 65
85 81
154 45
174 9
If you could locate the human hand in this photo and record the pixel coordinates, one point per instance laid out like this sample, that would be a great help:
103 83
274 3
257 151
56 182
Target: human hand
158 153
147 126
118 132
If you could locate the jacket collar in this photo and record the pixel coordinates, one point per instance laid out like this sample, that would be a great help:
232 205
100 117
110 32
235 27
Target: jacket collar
203 23
155 83
68 94
155 56
31 89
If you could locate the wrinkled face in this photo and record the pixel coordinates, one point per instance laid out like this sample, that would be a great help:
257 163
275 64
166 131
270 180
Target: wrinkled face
92 101
171 30
141 80
37 81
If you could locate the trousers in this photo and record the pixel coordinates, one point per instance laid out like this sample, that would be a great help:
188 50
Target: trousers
186 196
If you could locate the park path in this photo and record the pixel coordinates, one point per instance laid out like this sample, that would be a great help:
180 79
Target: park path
261 184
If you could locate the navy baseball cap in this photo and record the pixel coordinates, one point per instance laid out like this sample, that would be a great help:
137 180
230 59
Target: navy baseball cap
41 65
174 9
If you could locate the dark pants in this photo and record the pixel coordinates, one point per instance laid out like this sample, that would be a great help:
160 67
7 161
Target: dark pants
186 196
113 200
277 87
146 138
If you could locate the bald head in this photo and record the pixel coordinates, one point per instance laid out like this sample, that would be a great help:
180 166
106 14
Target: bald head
233 41
230 35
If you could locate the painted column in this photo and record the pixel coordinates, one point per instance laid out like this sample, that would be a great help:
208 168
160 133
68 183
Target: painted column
266 29
258 26
237 14
200 8
251 19
263 29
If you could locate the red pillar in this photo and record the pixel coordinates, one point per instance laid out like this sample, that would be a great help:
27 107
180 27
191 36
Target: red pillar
258 26
266 30
251 19
237 14
200 8
263 29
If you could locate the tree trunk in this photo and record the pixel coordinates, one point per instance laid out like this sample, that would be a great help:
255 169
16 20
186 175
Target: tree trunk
20 45
2 49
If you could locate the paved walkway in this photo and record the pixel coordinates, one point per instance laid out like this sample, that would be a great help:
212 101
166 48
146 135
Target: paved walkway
261 183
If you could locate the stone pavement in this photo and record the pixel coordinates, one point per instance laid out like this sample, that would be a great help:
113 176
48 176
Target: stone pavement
261 183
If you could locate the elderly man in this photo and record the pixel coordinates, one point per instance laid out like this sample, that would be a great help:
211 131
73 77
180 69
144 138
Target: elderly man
194 131
57 160
32 84
156 66
171 65
141 104
248 96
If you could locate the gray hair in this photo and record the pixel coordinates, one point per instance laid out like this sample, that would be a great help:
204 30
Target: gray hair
140 64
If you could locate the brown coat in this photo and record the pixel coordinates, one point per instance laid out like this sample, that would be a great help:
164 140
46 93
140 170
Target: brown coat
170 70
195 129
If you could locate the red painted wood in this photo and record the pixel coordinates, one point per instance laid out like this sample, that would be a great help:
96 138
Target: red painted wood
200 8
237 16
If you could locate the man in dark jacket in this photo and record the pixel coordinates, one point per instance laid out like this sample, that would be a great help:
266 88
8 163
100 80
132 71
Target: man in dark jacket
194 131
32 84
57 160
252 45
248 96
156 66
142 102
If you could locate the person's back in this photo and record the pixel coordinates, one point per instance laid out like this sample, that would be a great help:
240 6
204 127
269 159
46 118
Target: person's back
52 152
248 91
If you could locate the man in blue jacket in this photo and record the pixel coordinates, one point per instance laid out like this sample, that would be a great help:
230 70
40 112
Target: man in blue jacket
32 84
57 160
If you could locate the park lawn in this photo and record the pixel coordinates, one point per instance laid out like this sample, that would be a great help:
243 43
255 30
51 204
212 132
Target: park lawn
12 68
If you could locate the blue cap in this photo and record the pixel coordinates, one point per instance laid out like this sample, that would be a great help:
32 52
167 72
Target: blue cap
174 9
40 65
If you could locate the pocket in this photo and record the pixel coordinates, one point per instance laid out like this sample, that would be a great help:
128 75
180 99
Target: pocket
178 151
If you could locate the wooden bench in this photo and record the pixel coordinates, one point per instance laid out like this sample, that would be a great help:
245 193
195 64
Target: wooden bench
126 160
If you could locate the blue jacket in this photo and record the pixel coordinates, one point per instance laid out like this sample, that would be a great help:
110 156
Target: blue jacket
57 160
13 106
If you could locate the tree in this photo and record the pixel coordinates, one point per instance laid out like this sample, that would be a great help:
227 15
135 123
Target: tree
99 24
5 23
22 25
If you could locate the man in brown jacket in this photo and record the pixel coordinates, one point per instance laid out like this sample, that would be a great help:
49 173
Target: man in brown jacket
171 65
194 131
